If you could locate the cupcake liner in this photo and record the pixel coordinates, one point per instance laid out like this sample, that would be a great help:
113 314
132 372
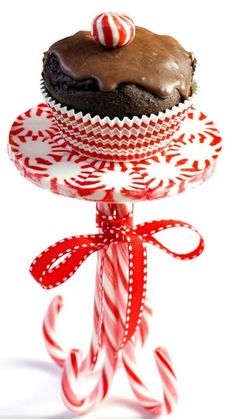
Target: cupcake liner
117 139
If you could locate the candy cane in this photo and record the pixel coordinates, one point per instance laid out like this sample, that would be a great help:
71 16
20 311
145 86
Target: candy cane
74 363
154 406
91 358
164 365
49 331
111 339
53 346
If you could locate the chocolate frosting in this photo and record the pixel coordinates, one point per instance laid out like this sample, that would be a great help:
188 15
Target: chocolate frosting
158 63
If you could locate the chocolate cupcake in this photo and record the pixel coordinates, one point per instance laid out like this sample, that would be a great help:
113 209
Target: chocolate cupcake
120 92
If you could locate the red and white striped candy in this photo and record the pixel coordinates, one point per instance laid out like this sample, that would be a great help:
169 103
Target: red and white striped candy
113 30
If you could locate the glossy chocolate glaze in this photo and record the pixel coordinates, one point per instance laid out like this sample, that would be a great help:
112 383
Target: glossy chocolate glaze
158 63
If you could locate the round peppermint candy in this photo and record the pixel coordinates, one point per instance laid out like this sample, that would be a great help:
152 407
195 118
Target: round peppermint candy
113 30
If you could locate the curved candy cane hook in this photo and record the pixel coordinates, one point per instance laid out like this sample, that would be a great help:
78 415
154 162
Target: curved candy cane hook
140 390
74 365
71 377
54 347
52 343
49 331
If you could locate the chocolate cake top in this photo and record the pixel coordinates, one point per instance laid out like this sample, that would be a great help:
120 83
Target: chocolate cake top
157 63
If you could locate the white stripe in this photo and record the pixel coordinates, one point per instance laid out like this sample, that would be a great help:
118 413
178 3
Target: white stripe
169 376
138 387
167 388
54 352
100 30
114 30
170 398
124 209
111 334
70 375
108 368
50 330
123 300
108 288
163 367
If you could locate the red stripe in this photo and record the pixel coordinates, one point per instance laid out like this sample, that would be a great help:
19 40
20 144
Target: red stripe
105 382
68 393
16 131
49 338
74 362
215 141
156 409
107 32
112 307
121 275
28 113
156 406
121 30
95 31
133 375
58 361
168 405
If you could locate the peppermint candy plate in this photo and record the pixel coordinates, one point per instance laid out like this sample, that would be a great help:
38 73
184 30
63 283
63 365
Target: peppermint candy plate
42 156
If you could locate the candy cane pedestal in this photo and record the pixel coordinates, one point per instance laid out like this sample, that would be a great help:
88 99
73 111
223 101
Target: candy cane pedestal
121 309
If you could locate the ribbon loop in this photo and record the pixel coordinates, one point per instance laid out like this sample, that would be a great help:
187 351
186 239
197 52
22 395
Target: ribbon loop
148 229
60 261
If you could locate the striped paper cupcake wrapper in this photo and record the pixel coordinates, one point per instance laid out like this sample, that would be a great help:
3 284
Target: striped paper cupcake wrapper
117 139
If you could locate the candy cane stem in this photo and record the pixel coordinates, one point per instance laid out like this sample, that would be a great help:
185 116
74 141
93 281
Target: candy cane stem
111 339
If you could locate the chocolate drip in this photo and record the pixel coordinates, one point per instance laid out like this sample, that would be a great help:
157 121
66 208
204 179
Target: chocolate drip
158 63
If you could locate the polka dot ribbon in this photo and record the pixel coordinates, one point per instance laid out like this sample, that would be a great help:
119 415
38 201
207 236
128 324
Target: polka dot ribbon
59 262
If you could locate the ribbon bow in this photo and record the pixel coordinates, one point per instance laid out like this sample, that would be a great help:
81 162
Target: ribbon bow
60 261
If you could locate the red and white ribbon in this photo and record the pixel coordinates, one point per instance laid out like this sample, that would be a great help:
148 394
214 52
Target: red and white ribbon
120 307
50 270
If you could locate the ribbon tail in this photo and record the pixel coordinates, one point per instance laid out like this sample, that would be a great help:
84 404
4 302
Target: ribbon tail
136 286
101 313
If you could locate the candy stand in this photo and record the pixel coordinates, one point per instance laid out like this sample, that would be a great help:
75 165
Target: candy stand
121 309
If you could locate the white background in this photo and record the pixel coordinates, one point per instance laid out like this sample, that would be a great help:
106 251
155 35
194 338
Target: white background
194 301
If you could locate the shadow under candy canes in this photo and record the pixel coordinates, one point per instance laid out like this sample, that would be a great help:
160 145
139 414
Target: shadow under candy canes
44 392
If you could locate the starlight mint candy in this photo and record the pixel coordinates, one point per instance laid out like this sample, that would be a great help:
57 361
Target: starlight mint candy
118 92
113 30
